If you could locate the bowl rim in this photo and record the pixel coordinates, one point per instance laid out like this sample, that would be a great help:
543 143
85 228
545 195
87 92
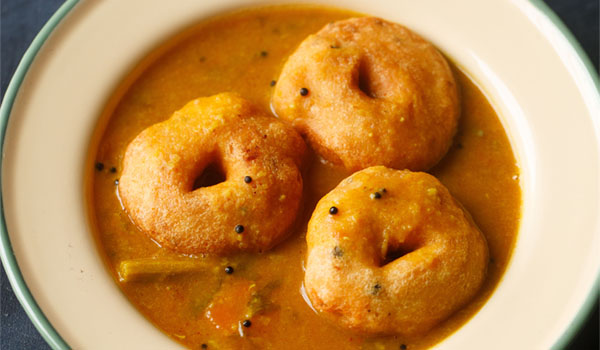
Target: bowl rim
7 256
11 266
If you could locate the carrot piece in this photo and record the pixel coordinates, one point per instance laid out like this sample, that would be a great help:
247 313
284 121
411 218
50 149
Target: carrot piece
229 305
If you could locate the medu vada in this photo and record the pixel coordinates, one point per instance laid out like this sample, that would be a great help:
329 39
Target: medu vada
251 210
392 252
367 92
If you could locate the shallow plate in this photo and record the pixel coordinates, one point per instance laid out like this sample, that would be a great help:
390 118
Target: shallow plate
545 96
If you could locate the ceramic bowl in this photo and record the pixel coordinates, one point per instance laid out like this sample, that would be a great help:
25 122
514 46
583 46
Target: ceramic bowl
517 51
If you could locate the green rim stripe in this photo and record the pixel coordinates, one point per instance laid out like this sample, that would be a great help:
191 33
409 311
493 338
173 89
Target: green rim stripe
7 255
586 309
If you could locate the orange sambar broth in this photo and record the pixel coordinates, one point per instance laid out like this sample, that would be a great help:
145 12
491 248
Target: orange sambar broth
244 52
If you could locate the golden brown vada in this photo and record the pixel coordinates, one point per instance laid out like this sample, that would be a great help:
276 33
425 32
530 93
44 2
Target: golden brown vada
367 92
392 252
251 210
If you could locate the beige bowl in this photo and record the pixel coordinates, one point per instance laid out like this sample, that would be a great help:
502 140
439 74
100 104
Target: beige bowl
517 51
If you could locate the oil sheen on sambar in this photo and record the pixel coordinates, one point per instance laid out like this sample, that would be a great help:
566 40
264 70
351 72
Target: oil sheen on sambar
244 52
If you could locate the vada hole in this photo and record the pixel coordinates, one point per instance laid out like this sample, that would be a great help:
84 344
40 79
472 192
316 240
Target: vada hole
394 254
212 175
365 81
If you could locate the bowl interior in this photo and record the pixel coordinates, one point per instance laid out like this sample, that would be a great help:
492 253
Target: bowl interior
541 91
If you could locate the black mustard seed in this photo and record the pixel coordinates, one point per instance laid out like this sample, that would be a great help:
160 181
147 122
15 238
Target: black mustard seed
376 289
99 166
239 228
304 91
333 210
229 270
338 252
247 179
247 323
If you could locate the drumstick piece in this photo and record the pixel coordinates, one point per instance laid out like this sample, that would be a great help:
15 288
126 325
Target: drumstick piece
152 268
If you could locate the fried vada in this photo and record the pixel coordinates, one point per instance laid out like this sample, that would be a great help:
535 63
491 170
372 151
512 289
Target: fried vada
250 210
392 252
367 92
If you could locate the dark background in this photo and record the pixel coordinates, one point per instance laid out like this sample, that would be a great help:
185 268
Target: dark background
21 20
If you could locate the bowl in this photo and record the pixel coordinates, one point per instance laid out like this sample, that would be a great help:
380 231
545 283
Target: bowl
539 83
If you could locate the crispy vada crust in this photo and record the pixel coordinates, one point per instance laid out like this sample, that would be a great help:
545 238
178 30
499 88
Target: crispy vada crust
397 264
162 163
378 94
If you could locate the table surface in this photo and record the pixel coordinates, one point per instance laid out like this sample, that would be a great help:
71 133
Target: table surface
20 21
